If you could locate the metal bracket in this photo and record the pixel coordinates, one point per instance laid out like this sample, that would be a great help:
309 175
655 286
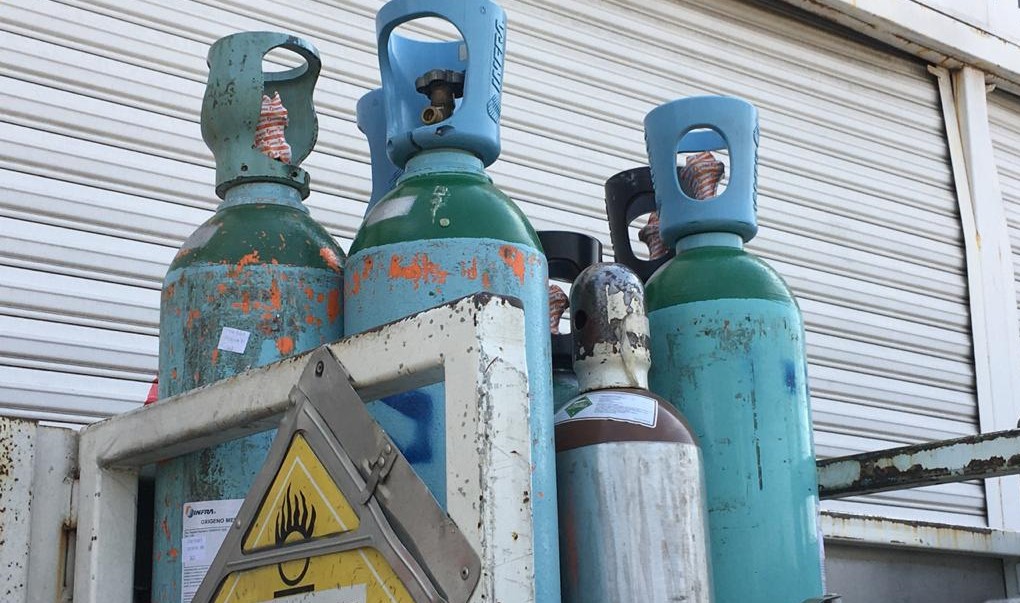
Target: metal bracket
398 517
979 456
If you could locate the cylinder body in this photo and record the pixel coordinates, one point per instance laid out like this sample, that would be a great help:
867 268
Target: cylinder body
632 517
728 351
445 232
258 282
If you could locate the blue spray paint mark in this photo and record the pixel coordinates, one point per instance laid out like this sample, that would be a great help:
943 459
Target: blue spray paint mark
791 377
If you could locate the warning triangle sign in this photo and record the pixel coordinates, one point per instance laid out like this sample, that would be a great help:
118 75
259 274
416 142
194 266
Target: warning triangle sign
337 515
303 502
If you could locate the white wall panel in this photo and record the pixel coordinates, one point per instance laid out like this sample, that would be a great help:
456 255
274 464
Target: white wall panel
1004 121
103 173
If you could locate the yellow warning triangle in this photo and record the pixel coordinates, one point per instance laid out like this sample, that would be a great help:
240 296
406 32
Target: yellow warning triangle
303 502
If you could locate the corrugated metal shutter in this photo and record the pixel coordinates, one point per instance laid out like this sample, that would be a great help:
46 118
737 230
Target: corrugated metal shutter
1004 122
104 173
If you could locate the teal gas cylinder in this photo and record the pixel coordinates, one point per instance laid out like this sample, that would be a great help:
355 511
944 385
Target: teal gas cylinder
258 282
728 351
568 253
445 231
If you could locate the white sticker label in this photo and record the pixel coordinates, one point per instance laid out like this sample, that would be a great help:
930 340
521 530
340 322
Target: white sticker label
206 524
356 593
614 406
401 206
233 340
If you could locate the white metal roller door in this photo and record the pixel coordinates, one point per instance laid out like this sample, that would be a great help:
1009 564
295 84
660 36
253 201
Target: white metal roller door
1004 122
104 173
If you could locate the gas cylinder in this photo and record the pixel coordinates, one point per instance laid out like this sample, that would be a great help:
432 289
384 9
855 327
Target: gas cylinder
371 118
567 253
728 351
631 502
445 231
257 282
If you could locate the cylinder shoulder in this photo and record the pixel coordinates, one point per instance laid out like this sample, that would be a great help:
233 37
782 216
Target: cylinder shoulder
260 234
445 206
715 273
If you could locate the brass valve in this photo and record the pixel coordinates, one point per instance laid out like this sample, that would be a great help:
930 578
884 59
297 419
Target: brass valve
442 86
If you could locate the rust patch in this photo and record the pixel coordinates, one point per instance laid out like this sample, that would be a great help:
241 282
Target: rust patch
166 528
274 295
320 298
246 260
420 270
309 293
221 288
285 345
513 258
329 256
486 281
333 307
192 315
215 356
359 277
469 272
172 552
245 304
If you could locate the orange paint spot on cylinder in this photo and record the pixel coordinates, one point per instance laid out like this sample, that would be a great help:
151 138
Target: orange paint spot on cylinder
486 280
333 306
513 258
309 293
215 356
192 315
320 298
245 304
285 345
221 288
246 260
358 277
275 296
420 270
469 272
172 552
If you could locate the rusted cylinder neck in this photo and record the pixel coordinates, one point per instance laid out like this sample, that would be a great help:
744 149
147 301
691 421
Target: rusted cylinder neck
610 327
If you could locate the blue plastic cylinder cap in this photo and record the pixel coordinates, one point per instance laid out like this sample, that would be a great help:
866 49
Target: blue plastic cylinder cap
474 124
713 122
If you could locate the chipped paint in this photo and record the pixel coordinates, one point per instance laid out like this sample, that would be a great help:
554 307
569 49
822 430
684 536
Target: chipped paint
419 270
514 258
979 456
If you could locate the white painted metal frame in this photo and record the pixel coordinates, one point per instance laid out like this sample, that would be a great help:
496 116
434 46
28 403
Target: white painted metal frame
475 345
993 308
926 32
37 471
879 531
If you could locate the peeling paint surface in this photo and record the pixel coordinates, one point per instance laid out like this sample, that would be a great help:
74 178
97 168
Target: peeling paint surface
726 365
284 310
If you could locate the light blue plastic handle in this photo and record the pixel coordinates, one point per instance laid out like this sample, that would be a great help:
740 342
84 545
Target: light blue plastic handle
735 125
372 123
474 125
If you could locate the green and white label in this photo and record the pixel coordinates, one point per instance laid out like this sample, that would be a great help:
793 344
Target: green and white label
613 406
